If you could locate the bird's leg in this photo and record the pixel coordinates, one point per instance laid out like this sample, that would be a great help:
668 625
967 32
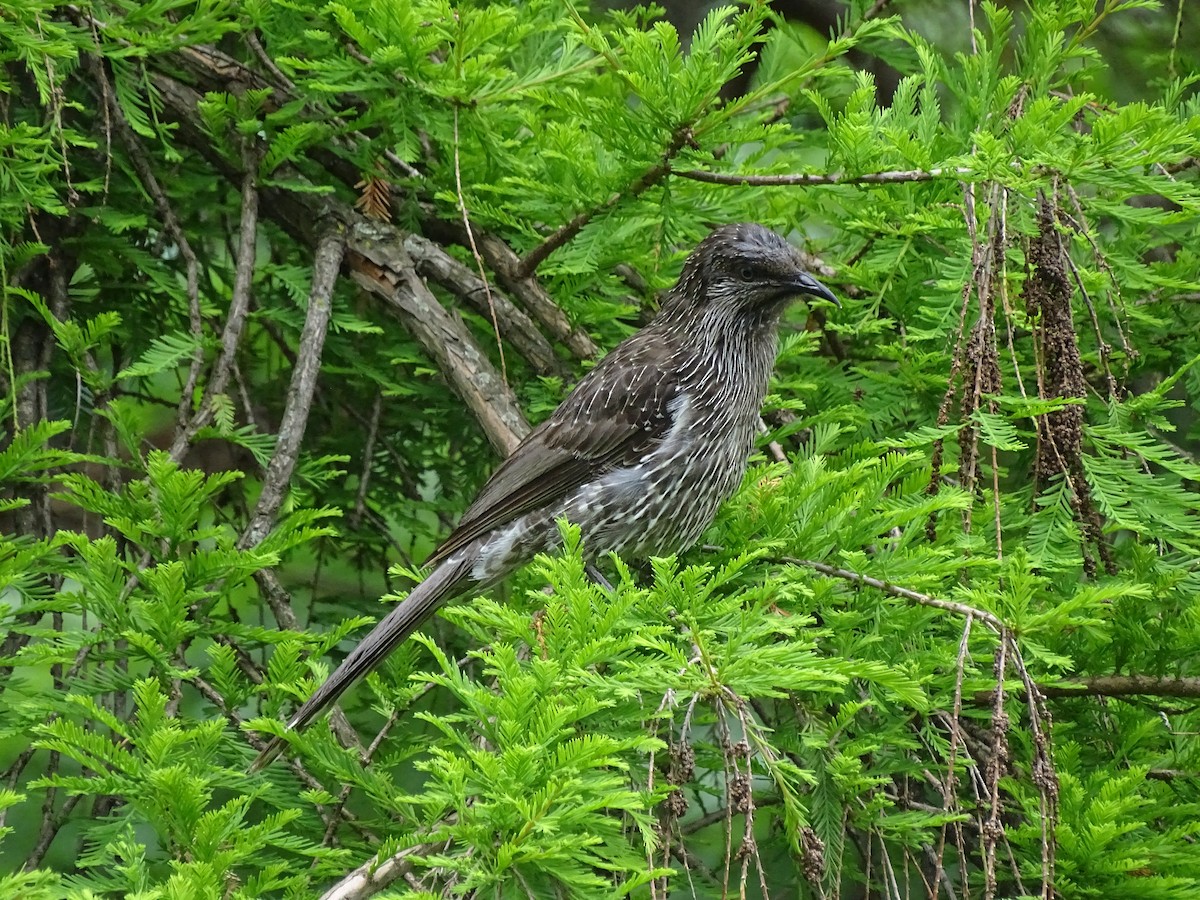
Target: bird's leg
597 576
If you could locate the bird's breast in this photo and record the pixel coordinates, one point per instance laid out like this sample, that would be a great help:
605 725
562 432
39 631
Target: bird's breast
661 502
664 501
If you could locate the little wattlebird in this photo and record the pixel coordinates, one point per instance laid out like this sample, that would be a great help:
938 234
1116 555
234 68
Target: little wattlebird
640 455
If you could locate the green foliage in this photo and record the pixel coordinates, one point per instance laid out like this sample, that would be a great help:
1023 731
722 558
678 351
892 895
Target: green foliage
989 477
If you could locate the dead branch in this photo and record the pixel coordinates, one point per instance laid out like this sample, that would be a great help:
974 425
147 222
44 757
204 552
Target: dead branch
235 321
525 290
218 71
380 264
326 262
515 326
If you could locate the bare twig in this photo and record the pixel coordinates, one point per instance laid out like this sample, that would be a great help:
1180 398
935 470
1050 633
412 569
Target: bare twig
804 179
991 827
719 814
326 262
376 874
962 609
949 795
260 53
277 598
239 306
368 456
52 820
773 447
645 181
466 220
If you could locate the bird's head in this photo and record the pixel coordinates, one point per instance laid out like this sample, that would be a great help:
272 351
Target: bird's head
744 270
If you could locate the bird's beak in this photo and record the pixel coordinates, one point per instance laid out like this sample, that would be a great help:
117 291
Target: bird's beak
806 284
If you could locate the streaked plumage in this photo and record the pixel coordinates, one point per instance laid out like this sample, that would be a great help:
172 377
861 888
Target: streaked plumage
640 455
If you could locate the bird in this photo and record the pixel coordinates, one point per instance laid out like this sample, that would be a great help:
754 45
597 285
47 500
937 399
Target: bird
640 455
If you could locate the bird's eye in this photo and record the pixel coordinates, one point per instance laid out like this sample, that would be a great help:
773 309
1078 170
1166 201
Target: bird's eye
746 273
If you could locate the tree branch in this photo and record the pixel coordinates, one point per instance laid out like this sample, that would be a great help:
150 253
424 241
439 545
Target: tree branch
809 179
435 263
239 307
639 185
525 289
1124 686
1097 685
380 264
962 609
374 875
326 262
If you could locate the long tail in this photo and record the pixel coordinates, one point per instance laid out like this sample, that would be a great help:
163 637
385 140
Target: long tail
446 581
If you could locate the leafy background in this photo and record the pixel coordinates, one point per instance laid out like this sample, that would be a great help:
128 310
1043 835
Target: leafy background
942 643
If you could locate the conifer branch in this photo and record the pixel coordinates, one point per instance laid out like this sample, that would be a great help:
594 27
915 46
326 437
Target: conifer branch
962 609
652 176
799 179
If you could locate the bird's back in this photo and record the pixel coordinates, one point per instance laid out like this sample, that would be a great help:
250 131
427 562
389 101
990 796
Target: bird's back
660 442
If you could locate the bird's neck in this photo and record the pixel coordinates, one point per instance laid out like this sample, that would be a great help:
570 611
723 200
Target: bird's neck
737 353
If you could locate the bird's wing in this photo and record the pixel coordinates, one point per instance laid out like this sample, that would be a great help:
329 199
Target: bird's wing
619 412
